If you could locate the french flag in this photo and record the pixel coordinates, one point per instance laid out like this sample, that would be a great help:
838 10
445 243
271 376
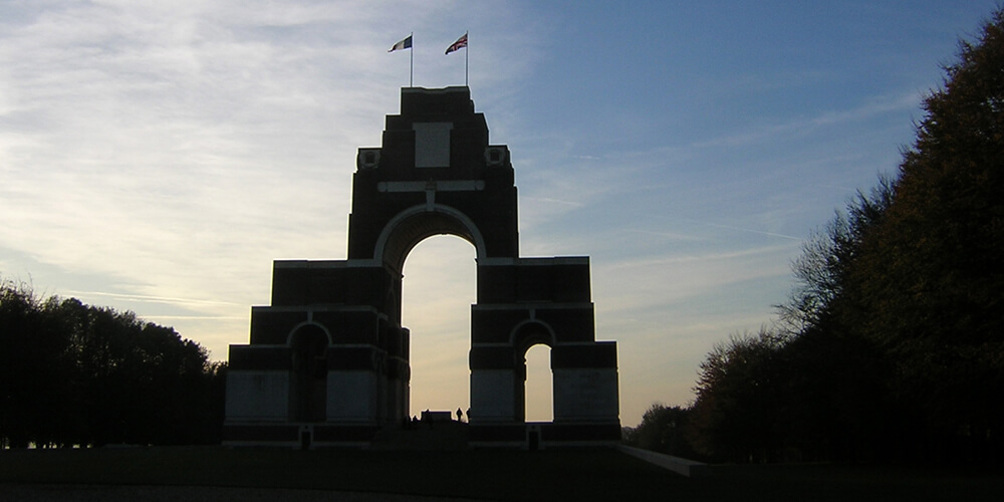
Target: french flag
404 44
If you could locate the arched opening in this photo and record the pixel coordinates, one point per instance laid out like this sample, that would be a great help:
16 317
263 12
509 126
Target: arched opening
439 286
532 341
412 226
309 344
538 387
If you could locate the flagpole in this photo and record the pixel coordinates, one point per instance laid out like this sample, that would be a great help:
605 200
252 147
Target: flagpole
411 75
463 43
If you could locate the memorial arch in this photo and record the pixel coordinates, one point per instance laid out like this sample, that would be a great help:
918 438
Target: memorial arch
328 360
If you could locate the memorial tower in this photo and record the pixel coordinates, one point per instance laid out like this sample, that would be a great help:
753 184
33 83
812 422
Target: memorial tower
328 360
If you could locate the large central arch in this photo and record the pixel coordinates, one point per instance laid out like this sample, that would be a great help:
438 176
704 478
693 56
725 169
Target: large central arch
439 286
413 225
434 174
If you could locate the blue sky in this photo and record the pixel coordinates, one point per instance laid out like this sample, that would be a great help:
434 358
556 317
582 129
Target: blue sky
157 156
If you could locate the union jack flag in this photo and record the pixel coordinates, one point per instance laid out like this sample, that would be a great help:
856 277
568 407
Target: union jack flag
459 44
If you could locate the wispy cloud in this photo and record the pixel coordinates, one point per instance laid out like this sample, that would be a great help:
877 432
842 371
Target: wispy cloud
150 299
661 282
183 147
667 235
754 231
801 126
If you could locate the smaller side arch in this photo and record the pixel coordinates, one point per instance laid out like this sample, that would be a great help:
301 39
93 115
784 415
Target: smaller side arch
308 325
525 335
309 343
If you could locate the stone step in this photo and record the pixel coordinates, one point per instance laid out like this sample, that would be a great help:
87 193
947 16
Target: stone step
423 436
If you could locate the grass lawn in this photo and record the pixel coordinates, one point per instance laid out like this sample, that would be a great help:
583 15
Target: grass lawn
489 474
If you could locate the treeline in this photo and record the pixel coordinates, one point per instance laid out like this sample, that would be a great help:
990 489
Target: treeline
73 374
891 346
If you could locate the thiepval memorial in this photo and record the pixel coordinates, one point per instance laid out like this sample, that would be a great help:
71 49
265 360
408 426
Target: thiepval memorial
327 364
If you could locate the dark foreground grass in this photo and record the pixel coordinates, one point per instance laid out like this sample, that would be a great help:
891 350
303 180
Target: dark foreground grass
488 474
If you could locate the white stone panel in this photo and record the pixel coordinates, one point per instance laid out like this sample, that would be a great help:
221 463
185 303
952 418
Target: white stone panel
492 396
432 144
585 395
257 396
352 396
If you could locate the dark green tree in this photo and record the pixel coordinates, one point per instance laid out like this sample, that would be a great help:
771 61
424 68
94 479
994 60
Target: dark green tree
892 343
836 376
905 288
822 272
740 395
19 323
76 374
930 274
663 429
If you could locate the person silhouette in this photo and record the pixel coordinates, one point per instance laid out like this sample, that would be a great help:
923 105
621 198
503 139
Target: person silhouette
460 415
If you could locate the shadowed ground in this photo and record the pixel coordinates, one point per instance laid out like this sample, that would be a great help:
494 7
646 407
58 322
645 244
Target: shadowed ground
215 473
100 493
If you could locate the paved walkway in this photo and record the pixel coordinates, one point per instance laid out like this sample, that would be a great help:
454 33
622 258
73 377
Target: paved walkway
681 466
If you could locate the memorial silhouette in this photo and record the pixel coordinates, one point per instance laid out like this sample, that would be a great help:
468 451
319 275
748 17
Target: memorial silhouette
328 360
